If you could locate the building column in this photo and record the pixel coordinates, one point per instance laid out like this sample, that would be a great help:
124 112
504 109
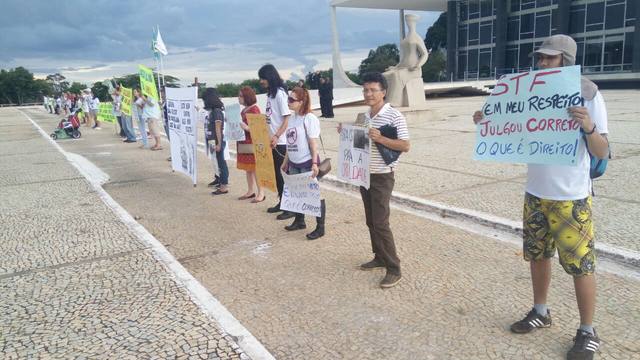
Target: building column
452 38
502 19
340 78
403 32
635 62
563 18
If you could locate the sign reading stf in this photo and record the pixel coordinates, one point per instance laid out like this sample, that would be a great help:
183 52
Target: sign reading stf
526 118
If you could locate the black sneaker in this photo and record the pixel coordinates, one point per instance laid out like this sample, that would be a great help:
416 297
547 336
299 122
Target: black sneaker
274 209
531 321
584 346
375 263
285 215
215 182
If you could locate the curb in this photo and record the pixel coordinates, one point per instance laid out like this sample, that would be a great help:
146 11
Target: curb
620 255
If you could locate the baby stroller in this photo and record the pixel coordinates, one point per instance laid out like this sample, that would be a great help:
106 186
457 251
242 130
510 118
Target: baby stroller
68 128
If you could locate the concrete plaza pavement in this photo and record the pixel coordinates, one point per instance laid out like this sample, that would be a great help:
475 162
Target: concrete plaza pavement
308 300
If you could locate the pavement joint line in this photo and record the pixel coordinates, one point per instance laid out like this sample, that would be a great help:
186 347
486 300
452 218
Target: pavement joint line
197 292
70 264
43 182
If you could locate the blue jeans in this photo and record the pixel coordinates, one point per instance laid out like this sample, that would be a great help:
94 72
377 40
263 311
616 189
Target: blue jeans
222 165
143 131
127 126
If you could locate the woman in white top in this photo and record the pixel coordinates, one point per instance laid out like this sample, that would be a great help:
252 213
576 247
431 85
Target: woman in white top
303 131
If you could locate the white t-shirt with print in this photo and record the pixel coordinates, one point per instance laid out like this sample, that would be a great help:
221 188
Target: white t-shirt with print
298 150
563 182
94 104
277 108
386 116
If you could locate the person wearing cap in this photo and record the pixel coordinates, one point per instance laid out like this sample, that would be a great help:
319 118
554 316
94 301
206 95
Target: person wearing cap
557 209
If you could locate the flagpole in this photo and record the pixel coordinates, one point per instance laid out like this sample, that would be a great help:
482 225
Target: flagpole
161 62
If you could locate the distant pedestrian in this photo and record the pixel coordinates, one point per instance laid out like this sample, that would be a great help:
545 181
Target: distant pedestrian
151 115
325 92
116 102
137 111
94 107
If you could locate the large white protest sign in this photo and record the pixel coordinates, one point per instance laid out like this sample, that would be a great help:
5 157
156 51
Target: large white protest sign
232 129
353 155
301 194
526 118
182 118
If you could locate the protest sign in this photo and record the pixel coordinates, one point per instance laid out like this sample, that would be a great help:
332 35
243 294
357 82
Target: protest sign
147 83
182 117
262 151
127 96
526 118
232 129
353 155
301 194
105 112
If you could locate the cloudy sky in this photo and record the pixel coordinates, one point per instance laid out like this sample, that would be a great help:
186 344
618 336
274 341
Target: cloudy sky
216 40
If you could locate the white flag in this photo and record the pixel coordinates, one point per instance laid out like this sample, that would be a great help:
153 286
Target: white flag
159 44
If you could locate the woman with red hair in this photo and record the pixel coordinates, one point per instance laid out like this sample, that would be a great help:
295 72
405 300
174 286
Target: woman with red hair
303 131
245 159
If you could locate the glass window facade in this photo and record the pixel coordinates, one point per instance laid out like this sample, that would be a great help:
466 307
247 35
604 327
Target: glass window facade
603 30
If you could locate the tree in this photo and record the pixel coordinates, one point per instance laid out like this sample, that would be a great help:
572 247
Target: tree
228 89
436 37
76 87
255 85
101 91
380 59
435 67
17 86
58 82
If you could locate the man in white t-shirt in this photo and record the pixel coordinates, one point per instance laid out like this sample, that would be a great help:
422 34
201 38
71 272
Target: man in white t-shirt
557 210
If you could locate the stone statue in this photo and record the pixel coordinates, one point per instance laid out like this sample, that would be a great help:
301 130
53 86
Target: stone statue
406 87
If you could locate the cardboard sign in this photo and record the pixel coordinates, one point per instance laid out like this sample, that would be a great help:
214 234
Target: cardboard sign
526 118
262 151
354 155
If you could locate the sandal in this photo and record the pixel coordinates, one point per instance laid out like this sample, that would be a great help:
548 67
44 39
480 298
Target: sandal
219 192
156 148
245 197
255 201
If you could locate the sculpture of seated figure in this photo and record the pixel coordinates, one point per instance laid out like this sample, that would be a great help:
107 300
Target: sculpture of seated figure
406 87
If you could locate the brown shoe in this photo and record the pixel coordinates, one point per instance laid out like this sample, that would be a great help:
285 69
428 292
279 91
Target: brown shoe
390 280
375 263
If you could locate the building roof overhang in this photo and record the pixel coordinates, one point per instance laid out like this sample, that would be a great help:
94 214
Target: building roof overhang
420 5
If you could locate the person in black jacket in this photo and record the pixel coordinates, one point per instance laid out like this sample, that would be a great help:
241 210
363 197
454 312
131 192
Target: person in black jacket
325 90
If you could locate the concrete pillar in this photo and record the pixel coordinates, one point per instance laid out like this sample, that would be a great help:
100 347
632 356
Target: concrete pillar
452 38
502 18
564 14
403 33
340 78
635 62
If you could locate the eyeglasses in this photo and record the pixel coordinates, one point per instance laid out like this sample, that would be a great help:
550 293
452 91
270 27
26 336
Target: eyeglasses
370 91
291 100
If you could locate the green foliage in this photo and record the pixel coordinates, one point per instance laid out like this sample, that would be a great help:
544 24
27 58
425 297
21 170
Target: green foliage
228 89
58 82
76 87
380 59
354 77
17 86
101 91
435 68
436 37
254 84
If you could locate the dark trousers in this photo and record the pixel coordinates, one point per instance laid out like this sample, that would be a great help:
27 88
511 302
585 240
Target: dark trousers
222 165
376 210
277 164
326 106
119 118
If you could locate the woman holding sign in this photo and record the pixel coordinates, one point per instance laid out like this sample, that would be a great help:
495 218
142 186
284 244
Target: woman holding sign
303 131
245 158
